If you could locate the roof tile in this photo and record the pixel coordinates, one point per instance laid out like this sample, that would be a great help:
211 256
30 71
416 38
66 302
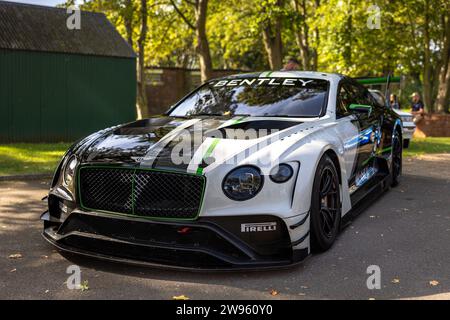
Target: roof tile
40 28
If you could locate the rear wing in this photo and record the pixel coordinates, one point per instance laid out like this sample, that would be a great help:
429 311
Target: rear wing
381 80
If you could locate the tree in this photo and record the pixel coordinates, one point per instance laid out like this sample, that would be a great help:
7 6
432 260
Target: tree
199 26
430 18
142 105
128 20
331 36
302 33
443 95
201 12
271 20
427 81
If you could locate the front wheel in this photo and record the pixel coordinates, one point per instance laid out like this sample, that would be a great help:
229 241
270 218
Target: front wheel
396 170
325 205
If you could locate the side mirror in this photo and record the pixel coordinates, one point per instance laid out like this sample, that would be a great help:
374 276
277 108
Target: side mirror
361 108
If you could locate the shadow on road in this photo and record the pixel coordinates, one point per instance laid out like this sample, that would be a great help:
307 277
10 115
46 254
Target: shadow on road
406 232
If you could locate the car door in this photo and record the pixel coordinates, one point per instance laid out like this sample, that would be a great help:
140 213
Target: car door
368 119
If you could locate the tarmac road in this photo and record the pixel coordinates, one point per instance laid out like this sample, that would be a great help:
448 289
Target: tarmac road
406 233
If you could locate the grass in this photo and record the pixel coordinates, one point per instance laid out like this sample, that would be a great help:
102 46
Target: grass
27 158
421 146
30 158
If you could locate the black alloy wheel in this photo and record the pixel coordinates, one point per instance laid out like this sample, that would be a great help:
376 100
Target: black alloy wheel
325 205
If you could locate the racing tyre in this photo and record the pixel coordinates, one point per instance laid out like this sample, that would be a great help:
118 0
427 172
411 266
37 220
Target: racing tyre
396 170
325 206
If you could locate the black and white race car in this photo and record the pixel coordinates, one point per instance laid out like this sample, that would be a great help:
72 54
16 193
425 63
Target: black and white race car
248 171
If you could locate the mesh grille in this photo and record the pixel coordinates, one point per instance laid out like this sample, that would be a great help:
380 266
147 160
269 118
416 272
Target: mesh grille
109 190
140 192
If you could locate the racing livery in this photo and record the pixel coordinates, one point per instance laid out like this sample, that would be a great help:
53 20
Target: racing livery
247 171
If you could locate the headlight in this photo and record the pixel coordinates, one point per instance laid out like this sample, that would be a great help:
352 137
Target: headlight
69 171
281 173
243 183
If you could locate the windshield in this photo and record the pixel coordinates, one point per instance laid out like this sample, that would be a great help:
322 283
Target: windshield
261 97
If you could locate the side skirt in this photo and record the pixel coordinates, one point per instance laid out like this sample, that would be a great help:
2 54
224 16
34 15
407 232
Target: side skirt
372 194
382 172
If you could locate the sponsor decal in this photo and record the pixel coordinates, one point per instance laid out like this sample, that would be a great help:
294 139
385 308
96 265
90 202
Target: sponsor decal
259 227
263 81
365 175
366 136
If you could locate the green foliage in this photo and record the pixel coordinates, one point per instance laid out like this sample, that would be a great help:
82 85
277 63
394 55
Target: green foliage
234 37
337 30
346 43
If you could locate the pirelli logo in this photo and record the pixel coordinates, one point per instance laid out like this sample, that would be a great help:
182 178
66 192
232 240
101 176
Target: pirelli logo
259 227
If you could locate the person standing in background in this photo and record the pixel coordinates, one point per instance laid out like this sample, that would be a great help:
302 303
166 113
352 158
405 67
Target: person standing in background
417 108
394 102
292 64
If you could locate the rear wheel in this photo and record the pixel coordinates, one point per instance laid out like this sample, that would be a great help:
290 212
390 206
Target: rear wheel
396 170
325 206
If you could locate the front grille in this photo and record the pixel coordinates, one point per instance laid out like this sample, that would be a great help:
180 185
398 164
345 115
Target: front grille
147 193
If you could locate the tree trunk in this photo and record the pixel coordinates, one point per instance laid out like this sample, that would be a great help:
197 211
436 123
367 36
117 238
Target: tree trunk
304 52
348 37
272 44
302 36
315 54
142 106
202 49
272 40
427 87
128 21
443 96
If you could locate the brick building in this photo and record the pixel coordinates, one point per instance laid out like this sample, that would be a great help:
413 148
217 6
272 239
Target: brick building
165 86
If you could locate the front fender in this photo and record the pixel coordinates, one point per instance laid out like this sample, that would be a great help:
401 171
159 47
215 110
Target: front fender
334 139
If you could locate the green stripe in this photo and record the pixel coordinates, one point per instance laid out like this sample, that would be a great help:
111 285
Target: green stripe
207 154
265 74
238 120
367 160
386 149
211 148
